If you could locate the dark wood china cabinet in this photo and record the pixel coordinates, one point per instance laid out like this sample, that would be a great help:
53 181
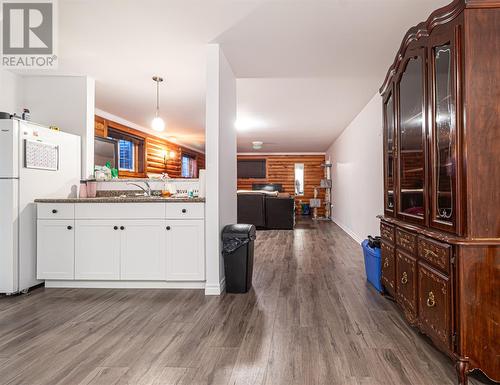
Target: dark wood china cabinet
441 224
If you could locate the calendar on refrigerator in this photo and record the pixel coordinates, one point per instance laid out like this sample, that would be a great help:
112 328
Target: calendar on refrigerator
41 155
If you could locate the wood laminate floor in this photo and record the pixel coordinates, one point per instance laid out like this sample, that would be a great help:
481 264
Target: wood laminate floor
311 319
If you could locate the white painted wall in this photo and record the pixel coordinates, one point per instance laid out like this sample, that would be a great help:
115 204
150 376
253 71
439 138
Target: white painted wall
67 102
220 152
357 173
10 92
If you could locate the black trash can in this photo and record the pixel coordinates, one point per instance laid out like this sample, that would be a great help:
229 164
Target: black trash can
238 257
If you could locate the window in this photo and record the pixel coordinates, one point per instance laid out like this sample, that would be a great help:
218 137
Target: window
299 178
125 155
130 152
189 167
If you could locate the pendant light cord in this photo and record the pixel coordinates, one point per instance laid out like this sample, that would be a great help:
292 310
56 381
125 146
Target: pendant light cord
157 98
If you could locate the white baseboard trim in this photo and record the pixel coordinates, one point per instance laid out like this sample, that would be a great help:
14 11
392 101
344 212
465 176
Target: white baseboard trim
216 289
349 232
125 284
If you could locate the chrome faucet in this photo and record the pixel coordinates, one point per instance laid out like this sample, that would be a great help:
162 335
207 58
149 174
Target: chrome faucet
147 190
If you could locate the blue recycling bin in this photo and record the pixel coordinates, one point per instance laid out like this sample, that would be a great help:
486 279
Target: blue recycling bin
373 265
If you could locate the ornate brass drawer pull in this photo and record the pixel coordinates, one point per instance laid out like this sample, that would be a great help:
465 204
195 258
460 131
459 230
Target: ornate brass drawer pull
431 301
431 253
404 278
386 263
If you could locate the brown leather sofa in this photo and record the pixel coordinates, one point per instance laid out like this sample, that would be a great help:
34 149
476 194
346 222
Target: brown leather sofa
252 209
266 212
280 213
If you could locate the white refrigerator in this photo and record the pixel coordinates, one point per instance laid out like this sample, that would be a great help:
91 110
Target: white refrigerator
35 162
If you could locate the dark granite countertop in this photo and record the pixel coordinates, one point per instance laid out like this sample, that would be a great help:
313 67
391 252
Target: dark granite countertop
115 199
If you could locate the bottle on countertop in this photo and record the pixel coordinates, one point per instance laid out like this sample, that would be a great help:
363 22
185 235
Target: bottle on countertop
83 189
91 188
26 114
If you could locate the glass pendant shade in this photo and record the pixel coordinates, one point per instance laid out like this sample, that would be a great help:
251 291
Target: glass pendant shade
158 124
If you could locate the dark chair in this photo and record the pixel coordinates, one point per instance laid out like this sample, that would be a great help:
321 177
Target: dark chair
280 213
252 209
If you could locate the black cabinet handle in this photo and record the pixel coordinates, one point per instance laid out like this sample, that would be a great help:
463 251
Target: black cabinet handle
122 227
184 210
69 227
168 227
54 211
115 228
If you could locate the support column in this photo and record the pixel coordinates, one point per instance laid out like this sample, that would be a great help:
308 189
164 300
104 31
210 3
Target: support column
220 152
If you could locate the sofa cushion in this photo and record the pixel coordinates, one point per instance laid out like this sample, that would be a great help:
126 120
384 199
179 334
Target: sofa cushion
251 209
280 213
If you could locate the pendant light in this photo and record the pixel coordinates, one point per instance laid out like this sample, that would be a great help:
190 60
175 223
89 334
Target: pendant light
157 124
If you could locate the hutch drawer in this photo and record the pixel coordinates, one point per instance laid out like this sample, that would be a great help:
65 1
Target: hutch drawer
435 253
406 282
434 303
388 268
387 232
407 241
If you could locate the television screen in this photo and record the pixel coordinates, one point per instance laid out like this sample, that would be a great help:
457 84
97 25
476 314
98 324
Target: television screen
252 168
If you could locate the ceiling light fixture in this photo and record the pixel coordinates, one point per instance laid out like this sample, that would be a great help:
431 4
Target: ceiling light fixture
249 123
257 145
158 123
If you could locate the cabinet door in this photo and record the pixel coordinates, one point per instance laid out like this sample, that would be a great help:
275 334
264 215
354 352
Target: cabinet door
142 250
411 199
55 249
388 268
434 304
443 132
406 282
97 249
185 250
389 146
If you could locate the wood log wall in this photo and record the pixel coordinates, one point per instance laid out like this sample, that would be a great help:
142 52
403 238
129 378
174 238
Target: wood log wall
155 151
281 169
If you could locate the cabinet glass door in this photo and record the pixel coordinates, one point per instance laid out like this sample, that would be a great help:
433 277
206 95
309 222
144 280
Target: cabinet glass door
443 143
411 200
389 154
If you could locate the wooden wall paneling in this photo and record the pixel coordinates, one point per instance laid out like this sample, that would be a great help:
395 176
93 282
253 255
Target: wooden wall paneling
281 169
156 151
100 127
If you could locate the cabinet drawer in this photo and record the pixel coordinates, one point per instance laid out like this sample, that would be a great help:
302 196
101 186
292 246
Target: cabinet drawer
185 210
406 282
388 268
406 241
387 232
55 210
434 304
120 211
436 253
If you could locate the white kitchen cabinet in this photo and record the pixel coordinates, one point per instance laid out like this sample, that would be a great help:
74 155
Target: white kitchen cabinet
185 250
55 249
97 249
142 250
141 245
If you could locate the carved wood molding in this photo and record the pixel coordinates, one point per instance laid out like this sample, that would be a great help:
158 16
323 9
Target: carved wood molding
482 3
441 236
440 16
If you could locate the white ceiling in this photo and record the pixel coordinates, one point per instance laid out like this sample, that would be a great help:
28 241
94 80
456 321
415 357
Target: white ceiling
305 67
